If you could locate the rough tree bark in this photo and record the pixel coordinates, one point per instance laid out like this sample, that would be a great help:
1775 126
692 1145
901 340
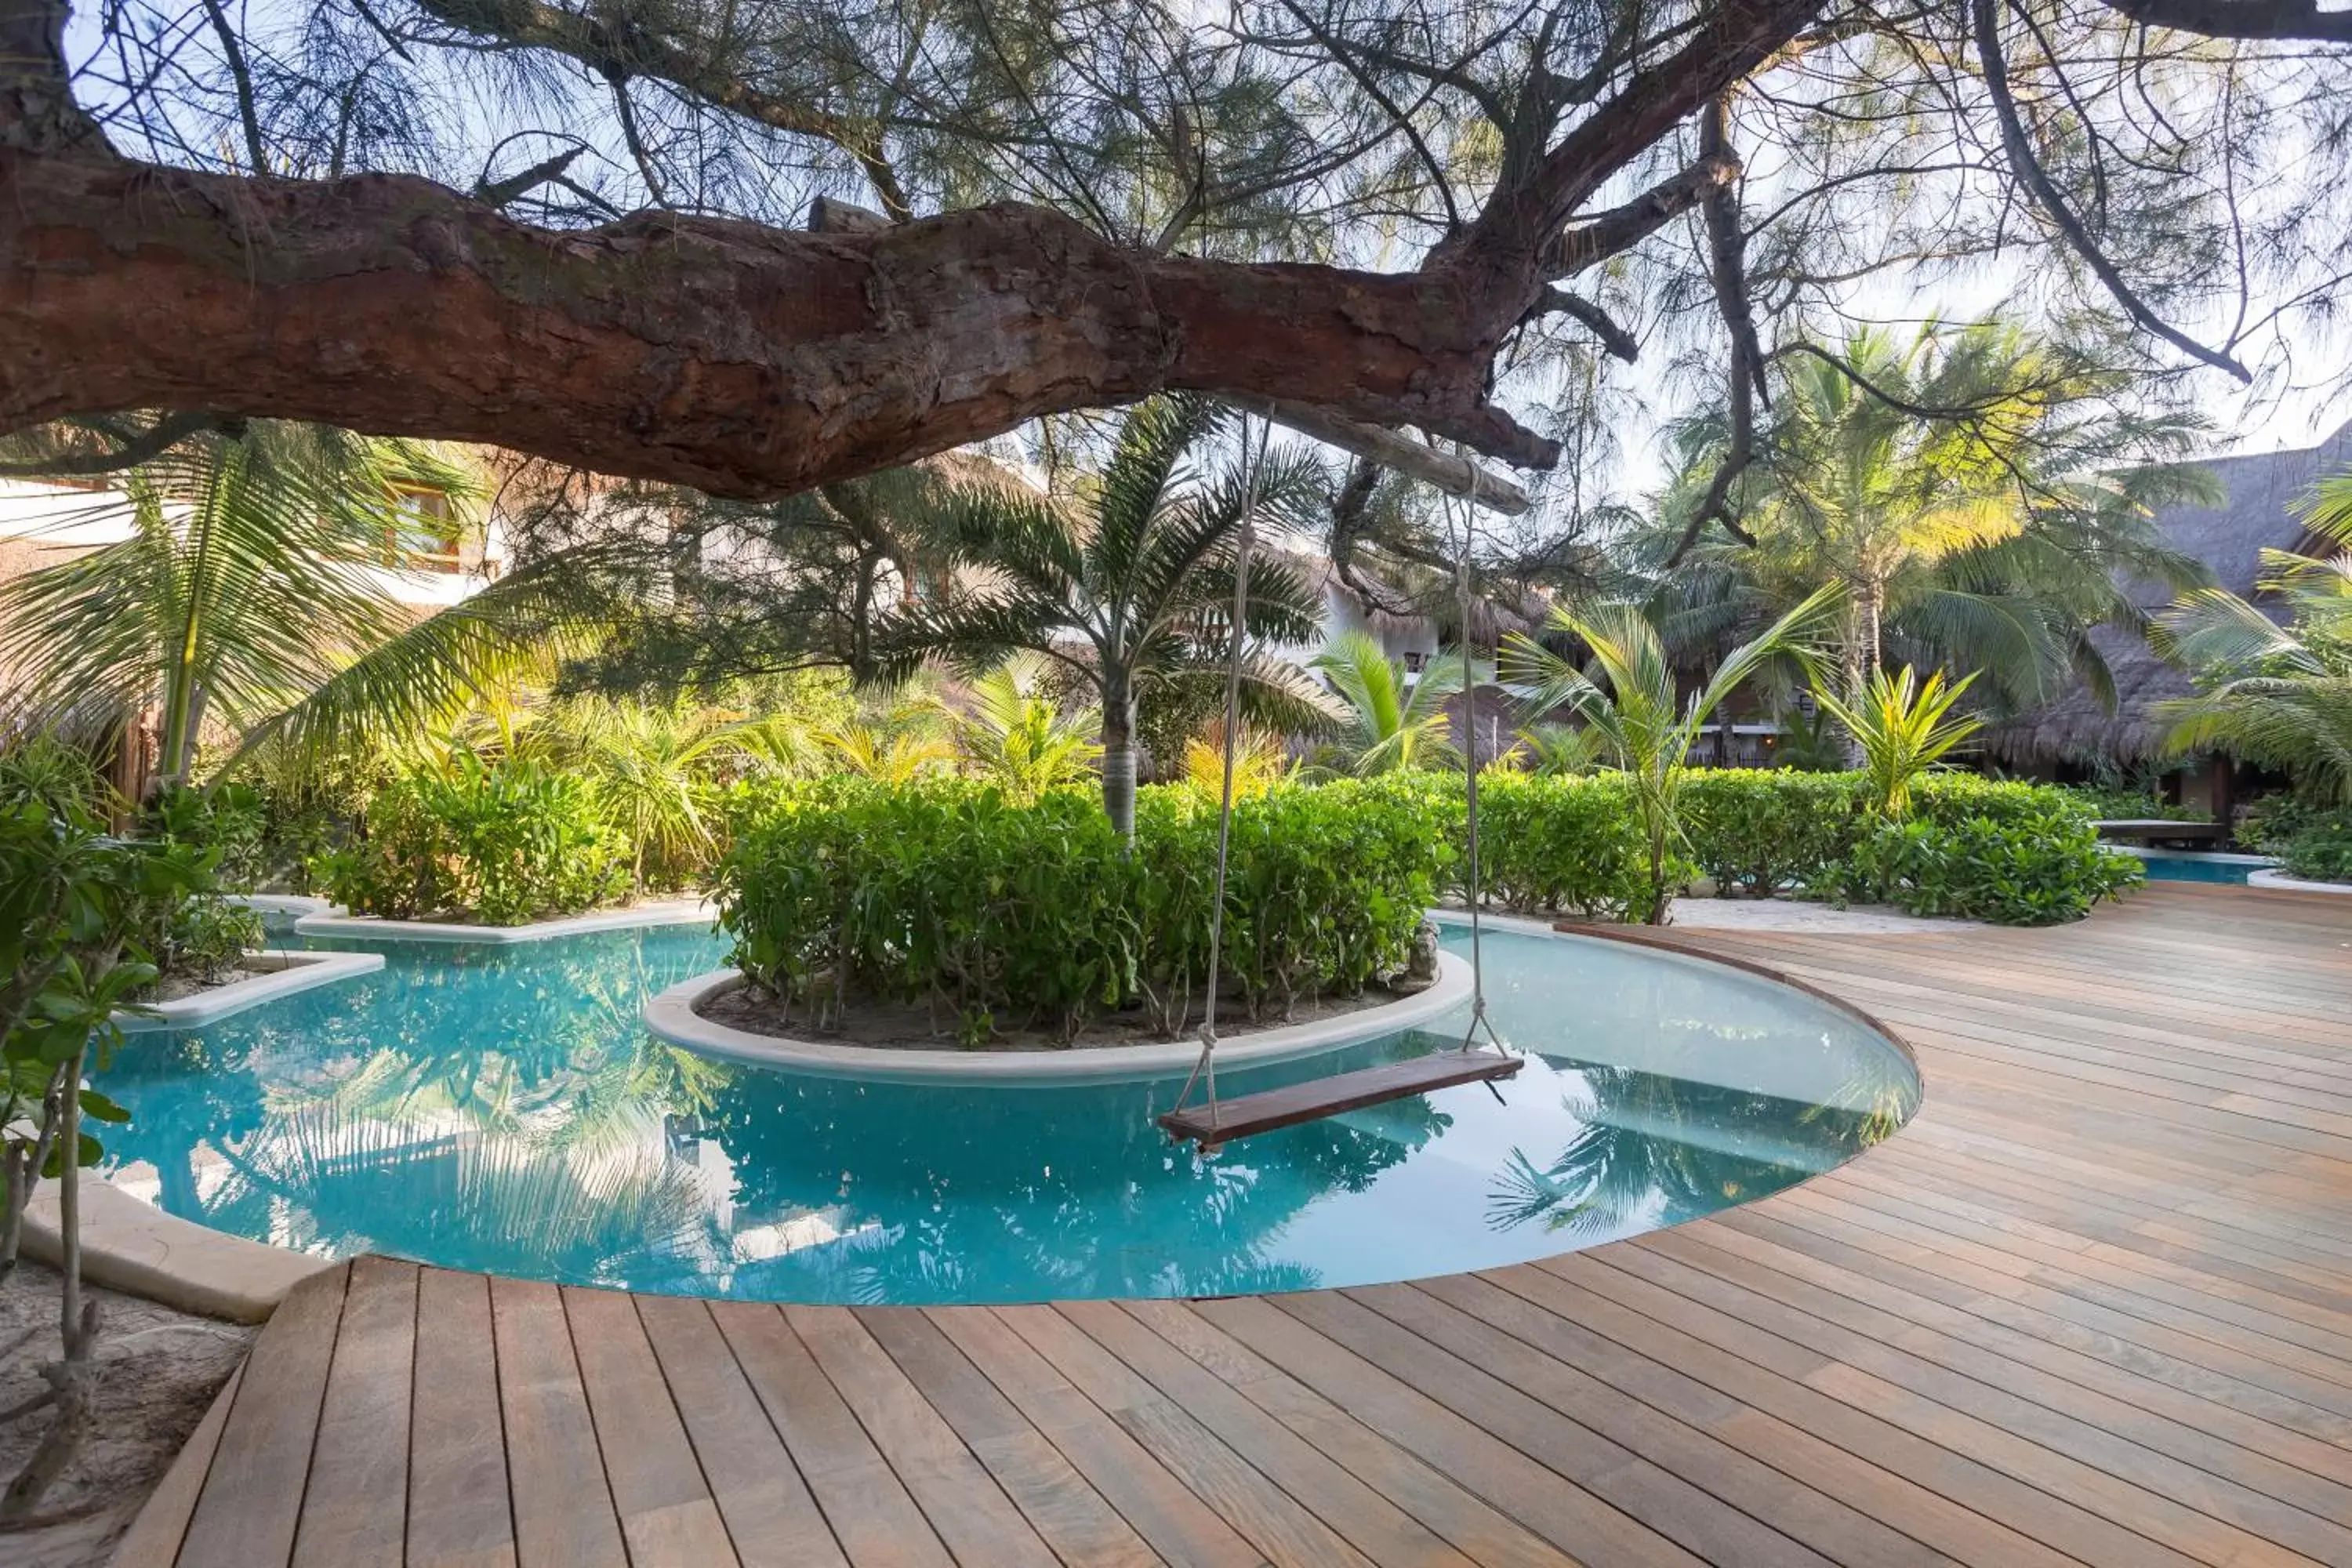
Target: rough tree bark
745 361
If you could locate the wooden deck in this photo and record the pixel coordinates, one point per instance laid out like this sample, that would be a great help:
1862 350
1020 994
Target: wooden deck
2094 1305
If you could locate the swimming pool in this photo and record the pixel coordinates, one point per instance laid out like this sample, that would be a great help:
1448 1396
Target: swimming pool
2194 866
503 1108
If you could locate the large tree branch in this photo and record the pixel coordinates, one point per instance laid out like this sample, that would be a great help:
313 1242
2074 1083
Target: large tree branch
1606 234
1985 23
37 112
1506 247
637 51
742 360
1727 243
1555 302
2292 20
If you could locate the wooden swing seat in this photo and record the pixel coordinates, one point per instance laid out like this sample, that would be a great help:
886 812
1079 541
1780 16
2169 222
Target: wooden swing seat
1318 1098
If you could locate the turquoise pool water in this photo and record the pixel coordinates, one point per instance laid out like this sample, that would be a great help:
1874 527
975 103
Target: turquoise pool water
2192 868
502 1108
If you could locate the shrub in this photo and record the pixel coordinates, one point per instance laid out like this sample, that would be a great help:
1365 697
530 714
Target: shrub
1555 844
2321 852
942 894
2013 870
501 843
1756 832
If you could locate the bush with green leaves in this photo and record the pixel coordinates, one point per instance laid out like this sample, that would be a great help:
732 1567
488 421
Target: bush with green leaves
501 843
2012 870
942 894
73 904
1758 832
2312 842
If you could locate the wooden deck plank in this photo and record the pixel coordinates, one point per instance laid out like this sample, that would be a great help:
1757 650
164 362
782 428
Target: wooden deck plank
1071 1516
355 1509
867 1506
253 1495
460 1512
1483 1532
1285 1531
2093 1306
771 1520
668 1511
1180 1525
976 1521
564 1510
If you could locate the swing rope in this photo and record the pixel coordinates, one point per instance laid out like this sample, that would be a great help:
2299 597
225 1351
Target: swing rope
1206 1065
1472 886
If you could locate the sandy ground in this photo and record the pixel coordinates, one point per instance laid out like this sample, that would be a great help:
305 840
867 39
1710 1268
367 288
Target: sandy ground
1791 914
159 1369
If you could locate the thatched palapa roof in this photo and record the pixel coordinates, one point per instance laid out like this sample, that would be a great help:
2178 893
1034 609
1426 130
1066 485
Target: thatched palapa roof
2256 514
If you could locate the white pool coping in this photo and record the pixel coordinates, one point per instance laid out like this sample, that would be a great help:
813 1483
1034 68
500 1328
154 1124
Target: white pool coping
129 1245
2279 881
284 974
662 912
671 1017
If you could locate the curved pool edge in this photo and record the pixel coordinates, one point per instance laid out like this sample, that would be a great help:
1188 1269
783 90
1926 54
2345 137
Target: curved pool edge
1665 942
2280 882
374 928
130 1245
670 1015
280 971
136 1247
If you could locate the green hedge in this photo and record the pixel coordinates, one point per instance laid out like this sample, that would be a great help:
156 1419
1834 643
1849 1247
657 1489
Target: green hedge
939 894
499 843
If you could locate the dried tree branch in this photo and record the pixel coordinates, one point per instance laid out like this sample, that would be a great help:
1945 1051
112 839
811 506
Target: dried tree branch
1985 24
132 448
1621 229
1557 301
499 193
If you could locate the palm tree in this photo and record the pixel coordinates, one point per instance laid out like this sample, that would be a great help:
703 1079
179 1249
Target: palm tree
235 592
1390 725
1992 540
1016 736
2277 695
1635 708
1902 729
1139 592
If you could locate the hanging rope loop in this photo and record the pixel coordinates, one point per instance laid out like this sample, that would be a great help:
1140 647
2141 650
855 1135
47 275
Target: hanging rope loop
1473 889
1252 470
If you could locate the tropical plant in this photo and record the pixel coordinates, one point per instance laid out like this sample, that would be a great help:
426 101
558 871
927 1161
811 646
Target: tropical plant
1636 708
1555 750
1390 723
73 904
2277 695
946 896
501 842
1262 761
1012 733
1139 592
1971 489
1902 729
235 594
898 749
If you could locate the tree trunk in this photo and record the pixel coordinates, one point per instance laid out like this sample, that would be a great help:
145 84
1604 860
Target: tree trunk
1118 755
744 361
